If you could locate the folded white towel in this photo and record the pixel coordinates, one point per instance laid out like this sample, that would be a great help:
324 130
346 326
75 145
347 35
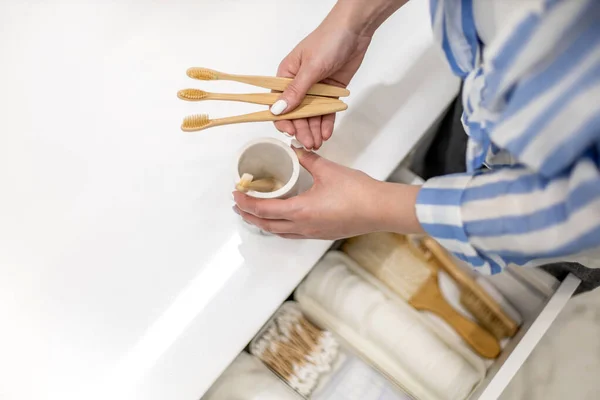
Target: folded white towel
361 306
430 359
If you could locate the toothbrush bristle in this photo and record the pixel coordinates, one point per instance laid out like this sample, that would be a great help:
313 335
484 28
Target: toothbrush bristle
203 74
242 185
195 122
192 94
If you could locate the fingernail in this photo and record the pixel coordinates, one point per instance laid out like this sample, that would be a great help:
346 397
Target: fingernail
278 107
235 210
287 134
295 143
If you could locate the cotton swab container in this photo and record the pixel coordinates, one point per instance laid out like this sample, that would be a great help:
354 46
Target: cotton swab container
314 363
296 350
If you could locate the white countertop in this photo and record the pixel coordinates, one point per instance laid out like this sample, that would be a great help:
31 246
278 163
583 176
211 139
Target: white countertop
123 270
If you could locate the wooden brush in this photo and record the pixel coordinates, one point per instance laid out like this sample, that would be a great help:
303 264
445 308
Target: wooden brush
388 257
255 98
475 299
267 82
200 122
264 185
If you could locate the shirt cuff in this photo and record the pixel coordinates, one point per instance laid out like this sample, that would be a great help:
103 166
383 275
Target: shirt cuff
439 212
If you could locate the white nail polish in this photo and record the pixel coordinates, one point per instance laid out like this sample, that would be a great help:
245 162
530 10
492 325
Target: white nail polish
299 145
278 107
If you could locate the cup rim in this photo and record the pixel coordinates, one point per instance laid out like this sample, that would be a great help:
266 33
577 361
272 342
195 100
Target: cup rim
282 191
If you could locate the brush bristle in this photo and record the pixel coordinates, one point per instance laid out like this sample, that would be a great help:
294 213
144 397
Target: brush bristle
485 316
192 94
203 74
195 122
388 257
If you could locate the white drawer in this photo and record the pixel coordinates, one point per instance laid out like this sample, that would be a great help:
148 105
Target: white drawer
520 347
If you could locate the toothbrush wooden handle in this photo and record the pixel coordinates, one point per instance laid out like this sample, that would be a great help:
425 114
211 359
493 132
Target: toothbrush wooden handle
264 98
430 298
262 185
276 83
304 111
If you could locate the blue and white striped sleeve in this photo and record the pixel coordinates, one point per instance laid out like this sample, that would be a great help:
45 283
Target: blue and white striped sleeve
513 214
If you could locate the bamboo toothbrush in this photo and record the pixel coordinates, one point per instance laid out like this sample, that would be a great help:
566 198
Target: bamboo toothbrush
199 122
247 183
267 82
254 98
483 307
244 182
388 257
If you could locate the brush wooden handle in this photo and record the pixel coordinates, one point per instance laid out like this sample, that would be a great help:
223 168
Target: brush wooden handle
262 185
446 263
264 98
305 111
463 279
276 83
430 298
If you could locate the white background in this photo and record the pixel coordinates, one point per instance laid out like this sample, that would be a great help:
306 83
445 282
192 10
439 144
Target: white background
122 267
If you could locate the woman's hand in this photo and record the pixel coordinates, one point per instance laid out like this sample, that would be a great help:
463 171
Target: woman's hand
331 54
341 203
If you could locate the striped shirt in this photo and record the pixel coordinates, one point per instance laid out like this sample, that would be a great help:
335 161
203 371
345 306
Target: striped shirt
532 112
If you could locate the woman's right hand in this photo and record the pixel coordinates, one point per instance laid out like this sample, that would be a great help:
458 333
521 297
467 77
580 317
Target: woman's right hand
331 54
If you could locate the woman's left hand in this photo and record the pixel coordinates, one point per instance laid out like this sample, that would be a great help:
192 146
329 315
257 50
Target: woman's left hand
341 203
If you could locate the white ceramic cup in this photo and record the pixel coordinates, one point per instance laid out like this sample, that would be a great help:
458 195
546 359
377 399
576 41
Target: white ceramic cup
269 158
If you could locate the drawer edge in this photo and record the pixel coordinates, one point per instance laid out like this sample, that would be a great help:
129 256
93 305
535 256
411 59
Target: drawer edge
525 342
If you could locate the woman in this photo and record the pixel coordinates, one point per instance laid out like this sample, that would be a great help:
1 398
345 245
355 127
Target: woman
531 98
